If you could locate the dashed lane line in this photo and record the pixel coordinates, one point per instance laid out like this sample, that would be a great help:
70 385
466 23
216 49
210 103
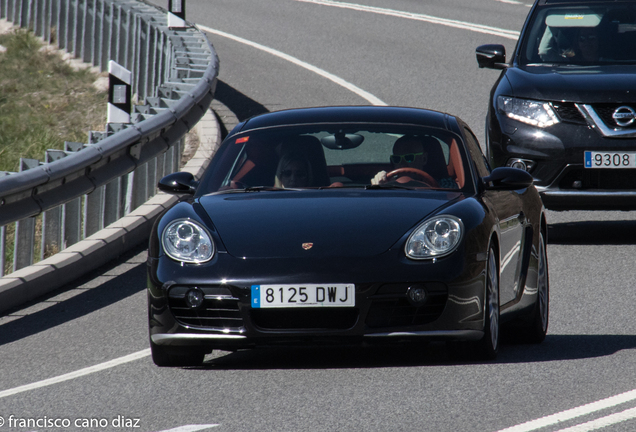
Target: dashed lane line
603 422
574 413
79 373
514 2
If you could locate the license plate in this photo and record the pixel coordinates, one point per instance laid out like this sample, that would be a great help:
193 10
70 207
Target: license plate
296 296
610 159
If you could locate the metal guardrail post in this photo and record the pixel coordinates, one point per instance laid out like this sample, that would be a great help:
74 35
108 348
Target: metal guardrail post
25 230
24 241
51 232
72 225
52 219
93 212
112 201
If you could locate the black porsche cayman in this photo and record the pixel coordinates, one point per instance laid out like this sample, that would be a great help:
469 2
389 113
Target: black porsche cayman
347 224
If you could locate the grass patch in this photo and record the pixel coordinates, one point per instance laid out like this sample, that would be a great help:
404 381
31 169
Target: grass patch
43 103
43 100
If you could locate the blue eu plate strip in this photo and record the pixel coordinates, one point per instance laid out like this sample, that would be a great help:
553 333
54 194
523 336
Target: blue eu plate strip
588 159
256 296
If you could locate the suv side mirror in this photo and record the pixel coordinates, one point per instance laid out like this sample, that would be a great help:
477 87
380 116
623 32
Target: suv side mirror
491 56
178 183
506 178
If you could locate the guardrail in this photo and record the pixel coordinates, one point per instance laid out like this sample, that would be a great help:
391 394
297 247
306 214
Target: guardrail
87 186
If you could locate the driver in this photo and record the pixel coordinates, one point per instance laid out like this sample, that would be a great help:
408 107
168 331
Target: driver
421 153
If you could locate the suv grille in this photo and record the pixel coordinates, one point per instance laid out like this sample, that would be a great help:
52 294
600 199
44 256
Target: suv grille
568 112
219 309
606 111
390 306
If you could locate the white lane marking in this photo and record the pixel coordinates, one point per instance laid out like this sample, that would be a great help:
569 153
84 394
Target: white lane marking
603 422
363 94
509 34
191 428
514 2
76 374
573 413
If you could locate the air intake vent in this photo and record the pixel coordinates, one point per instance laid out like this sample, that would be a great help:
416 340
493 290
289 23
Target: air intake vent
219 310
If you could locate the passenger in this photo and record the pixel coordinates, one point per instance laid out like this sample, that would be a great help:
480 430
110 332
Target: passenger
555 46
422 153
585 48
293 171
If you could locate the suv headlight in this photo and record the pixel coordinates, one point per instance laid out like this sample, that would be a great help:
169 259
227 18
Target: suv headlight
535 113
435 237
187 241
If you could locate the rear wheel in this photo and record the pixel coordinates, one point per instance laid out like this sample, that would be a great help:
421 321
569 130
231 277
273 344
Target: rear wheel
176 356
488 346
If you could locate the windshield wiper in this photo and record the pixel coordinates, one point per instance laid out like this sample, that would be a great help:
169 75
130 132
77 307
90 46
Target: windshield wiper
387 186
256 189
265 189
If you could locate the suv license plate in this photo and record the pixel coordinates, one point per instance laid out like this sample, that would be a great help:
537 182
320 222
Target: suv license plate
610 159
296 296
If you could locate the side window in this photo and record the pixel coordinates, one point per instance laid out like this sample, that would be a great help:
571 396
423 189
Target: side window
476 154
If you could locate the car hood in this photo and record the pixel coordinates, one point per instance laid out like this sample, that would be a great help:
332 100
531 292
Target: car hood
582 84
278 224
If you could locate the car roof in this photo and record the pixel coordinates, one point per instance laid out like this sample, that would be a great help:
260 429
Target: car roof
349 114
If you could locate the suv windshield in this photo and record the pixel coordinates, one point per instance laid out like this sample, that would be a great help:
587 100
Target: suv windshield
594 34
337 156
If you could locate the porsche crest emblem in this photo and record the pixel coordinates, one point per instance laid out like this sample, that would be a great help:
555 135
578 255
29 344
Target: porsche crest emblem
307 246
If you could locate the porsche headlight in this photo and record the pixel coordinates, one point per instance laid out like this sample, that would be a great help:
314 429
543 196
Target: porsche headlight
436 237
535 113
187 241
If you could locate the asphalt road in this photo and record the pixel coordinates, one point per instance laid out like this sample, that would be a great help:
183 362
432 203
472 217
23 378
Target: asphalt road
80 357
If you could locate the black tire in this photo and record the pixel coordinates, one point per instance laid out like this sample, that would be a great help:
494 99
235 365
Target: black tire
537 327
176 356
488 346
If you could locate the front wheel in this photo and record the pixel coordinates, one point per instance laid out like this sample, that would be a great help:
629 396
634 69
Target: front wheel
488 346
537 327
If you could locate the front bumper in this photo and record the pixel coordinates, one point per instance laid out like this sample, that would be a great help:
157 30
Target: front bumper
185 339
559 173
560 200
453 308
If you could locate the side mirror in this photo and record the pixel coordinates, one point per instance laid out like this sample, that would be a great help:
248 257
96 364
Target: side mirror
505 178
178 183
491 56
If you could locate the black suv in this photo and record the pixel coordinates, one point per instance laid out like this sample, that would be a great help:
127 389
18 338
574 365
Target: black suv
564 107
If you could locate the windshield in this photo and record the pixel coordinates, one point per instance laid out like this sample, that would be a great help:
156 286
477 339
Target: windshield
582 35
337 156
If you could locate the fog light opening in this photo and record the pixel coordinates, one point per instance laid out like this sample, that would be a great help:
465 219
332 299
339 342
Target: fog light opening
417 295
194 298
524 164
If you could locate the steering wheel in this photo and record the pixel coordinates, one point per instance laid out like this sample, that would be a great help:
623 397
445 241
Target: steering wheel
426 177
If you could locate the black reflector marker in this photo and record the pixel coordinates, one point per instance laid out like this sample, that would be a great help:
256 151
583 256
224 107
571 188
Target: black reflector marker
119 94
176 14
